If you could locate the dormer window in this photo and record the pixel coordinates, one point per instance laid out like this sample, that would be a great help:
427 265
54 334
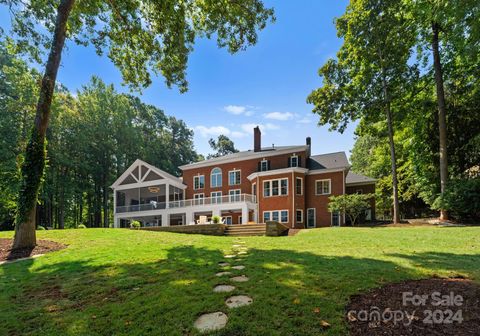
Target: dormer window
294 161
263 165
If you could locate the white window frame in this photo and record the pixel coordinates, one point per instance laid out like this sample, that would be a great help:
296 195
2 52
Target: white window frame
331 218
216 197
270 187
237 193
239 219
194 184
296 160
212 176
254 189
199 199
227 218
266 165
329 187
301 215
301 186
239 177
279 214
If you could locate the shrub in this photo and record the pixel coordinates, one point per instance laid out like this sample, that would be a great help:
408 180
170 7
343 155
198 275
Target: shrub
353 205
216 219
40 228
81 226
135 224
461 199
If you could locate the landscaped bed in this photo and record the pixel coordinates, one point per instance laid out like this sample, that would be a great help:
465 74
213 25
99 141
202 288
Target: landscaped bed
127 282
43 246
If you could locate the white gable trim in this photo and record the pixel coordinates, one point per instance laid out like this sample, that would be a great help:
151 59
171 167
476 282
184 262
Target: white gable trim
175 181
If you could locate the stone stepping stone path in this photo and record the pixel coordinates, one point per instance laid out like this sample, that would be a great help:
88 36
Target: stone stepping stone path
241 278
211 322
218 320
223 288
238 301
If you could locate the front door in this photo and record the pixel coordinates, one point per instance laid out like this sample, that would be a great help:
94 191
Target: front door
311 222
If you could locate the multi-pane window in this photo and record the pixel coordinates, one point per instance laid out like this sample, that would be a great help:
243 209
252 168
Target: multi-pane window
216 178
216 197
264 165
254 189
234 195
234 177
276 216
322 187
294 161
199 182
275 188
299 216
198 199
299 186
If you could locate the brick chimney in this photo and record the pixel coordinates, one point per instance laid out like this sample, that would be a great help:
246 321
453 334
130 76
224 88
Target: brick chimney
257 139
308 142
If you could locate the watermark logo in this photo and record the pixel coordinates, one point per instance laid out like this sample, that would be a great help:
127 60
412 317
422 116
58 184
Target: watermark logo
447 310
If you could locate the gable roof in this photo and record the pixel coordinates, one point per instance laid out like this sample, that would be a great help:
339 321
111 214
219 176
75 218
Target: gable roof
328 161
246 155
354 178
138 163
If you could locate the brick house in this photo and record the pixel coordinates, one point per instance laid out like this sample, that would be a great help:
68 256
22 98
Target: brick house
285 184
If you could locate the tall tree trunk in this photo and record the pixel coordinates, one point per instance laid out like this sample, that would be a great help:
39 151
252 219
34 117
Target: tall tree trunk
393 157
33 168
442 114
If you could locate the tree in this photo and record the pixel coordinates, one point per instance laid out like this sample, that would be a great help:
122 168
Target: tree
370 74
353 205
447 33
222 146
141 37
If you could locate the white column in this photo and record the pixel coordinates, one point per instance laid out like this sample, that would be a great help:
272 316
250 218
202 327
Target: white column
167 195
165 219
244 214
189 217
116 222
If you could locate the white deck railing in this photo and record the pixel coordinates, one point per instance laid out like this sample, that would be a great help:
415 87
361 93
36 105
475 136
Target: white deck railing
199 202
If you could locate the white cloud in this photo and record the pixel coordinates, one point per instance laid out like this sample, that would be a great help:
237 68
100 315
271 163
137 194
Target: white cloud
248 128
212 131
282 116
239 110
215 131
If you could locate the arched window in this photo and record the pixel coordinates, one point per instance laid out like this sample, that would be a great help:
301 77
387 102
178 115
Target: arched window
216 178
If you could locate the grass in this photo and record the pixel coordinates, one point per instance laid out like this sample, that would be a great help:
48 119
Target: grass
122 282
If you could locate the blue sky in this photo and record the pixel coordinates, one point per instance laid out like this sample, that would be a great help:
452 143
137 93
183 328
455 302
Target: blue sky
265 85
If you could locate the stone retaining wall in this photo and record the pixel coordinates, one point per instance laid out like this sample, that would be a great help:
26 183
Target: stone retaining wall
206 229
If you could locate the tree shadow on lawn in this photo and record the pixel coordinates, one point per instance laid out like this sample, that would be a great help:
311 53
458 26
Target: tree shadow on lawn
292 292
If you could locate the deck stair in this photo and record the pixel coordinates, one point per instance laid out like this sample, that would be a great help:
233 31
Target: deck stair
246 230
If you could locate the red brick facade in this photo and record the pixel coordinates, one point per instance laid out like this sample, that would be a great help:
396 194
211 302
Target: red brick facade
296 200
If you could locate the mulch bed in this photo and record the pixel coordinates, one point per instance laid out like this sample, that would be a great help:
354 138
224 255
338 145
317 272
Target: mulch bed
447 317
43 246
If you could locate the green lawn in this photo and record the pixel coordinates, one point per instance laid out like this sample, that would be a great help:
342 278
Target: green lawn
122 282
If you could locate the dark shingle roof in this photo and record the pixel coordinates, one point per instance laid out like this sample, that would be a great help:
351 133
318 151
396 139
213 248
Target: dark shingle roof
250 154
353 178
328 161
